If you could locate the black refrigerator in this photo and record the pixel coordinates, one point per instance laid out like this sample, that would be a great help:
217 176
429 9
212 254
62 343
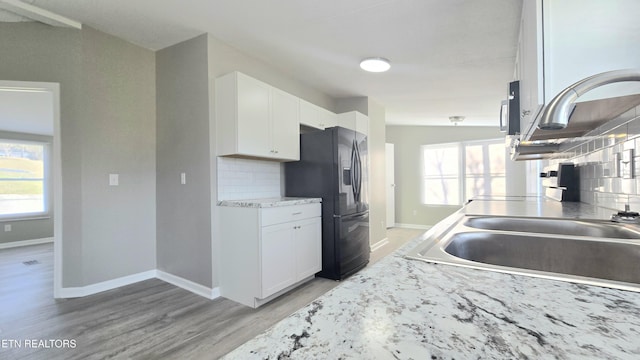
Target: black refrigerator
333 166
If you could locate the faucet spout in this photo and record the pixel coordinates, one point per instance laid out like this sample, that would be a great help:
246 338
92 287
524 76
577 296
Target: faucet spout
557 113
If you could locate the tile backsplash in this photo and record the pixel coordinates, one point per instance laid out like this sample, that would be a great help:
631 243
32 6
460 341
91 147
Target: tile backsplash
601 157
240 179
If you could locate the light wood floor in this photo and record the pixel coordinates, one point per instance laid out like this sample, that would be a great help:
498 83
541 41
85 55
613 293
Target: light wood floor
147 320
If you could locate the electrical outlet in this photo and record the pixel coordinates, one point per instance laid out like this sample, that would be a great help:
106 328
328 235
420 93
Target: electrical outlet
113 180
415 212
7 227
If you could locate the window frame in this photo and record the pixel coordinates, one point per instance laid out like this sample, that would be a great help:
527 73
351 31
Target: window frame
462 165
46 177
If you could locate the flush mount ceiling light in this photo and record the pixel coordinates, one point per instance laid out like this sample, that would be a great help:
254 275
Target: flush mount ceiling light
456 119
375 64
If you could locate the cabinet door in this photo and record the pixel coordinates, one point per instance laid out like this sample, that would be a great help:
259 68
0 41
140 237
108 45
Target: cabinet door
310 115
531 62
328 118
362 123
278 267
253 117
308 245
285 125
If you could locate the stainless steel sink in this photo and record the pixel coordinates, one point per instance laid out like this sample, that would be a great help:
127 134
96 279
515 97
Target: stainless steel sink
581 251
595 228
590 258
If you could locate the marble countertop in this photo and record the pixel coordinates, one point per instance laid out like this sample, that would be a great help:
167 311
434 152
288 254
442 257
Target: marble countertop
269 202
406 309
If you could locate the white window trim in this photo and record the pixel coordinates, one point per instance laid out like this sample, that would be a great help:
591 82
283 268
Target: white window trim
462 196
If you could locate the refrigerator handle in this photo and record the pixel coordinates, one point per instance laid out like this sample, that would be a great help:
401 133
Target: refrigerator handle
358 172
353 170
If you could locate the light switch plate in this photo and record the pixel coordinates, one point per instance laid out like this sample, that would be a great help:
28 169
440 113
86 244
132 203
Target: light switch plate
113 179
7 227
183 178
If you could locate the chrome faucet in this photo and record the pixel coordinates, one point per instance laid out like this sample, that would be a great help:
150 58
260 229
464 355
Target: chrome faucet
557 113
626 216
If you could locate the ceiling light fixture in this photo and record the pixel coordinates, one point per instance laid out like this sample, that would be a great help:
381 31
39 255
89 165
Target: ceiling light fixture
456 119
375 64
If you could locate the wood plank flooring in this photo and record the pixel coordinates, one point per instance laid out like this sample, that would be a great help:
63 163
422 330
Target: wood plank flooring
147 320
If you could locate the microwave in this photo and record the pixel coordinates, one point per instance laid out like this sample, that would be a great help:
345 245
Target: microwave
510 110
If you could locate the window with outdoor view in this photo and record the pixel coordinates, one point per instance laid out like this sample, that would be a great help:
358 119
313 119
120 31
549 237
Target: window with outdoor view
456 172
22 178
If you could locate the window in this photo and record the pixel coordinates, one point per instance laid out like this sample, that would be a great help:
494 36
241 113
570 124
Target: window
454 172
23 169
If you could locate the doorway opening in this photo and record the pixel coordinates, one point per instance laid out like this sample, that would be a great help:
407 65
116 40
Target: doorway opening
30 120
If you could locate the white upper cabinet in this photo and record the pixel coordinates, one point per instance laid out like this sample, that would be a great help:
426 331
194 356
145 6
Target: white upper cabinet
354 120
285 126
254 119
315 116
328 118
530 63
562 42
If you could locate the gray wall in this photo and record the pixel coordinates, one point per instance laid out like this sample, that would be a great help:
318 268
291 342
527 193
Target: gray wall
118 136
184 211
37 52
29 229
107 94
408 140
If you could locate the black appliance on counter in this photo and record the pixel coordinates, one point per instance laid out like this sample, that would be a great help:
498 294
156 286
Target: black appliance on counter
562 183
510 110
333 166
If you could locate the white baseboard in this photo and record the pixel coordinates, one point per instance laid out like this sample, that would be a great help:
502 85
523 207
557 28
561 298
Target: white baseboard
379 244
25 243
414 226
72 292
189 285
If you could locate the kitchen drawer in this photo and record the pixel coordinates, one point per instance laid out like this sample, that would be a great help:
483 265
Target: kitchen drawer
282 214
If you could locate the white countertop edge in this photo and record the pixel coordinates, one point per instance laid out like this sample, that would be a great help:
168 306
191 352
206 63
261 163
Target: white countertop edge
269 202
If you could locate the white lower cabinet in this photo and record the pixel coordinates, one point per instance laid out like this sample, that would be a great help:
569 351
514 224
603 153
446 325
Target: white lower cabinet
267 251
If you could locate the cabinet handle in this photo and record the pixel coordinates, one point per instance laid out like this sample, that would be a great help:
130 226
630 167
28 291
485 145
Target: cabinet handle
276 151
321 125
297 213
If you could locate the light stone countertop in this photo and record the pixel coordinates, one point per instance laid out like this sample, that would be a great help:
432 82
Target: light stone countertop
269 202
406 309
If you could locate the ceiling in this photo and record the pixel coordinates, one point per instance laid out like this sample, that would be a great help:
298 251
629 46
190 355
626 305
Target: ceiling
449 57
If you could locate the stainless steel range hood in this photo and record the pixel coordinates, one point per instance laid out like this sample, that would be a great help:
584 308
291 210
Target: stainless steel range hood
586 116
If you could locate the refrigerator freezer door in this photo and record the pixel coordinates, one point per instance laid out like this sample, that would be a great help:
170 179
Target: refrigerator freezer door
351 244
